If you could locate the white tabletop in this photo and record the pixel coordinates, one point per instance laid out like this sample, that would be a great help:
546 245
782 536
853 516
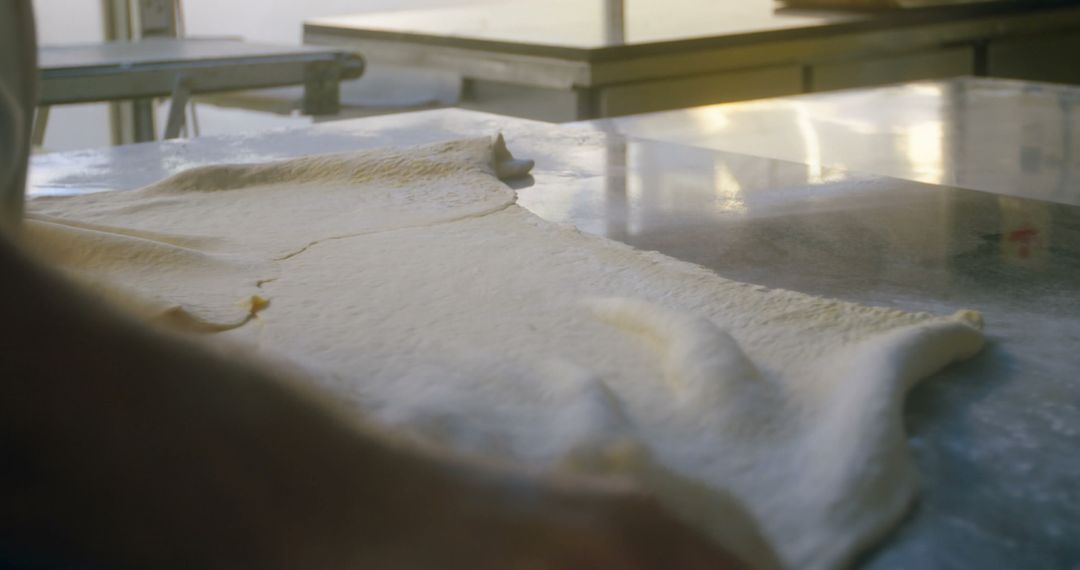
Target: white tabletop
584 24
591 29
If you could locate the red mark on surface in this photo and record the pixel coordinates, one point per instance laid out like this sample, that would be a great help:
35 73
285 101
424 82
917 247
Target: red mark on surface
1023 238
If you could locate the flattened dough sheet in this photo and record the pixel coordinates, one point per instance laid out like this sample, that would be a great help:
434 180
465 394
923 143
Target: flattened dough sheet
422 296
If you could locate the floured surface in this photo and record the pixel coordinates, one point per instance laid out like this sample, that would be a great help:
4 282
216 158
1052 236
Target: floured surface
500 334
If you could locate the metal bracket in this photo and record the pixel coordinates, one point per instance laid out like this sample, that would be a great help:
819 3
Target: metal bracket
180 95
321 93
41 121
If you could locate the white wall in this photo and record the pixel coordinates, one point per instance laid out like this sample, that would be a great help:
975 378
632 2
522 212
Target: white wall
68 21
73 21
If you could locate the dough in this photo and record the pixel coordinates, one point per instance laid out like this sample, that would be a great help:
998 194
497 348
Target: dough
466 321
276 209
179 280
486 335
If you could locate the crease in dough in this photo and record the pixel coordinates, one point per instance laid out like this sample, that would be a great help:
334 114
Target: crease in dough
194 250
160 278
269 210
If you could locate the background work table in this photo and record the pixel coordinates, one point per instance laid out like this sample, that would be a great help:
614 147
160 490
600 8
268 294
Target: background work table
995 438
563 60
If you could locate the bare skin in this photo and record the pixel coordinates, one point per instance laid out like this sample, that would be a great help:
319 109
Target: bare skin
132 446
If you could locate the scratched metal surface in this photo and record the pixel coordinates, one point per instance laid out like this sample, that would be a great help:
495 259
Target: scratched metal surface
995 438
1020 138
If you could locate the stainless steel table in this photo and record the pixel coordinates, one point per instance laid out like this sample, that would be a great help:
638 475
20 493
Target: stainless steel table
178 68
1018 138
563 60
995 438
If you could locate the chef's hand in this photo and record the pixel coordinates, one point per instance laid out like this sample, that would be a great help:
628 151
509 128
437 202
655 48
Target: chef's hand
498 521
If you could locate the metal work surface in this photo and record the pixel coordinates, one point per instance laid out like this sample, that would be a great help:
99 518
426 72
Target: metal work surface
995 438
1008 137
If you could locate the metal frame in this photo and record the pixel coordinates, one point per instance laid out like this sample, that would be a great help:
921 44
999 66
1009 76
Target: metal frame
320 71
130 121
